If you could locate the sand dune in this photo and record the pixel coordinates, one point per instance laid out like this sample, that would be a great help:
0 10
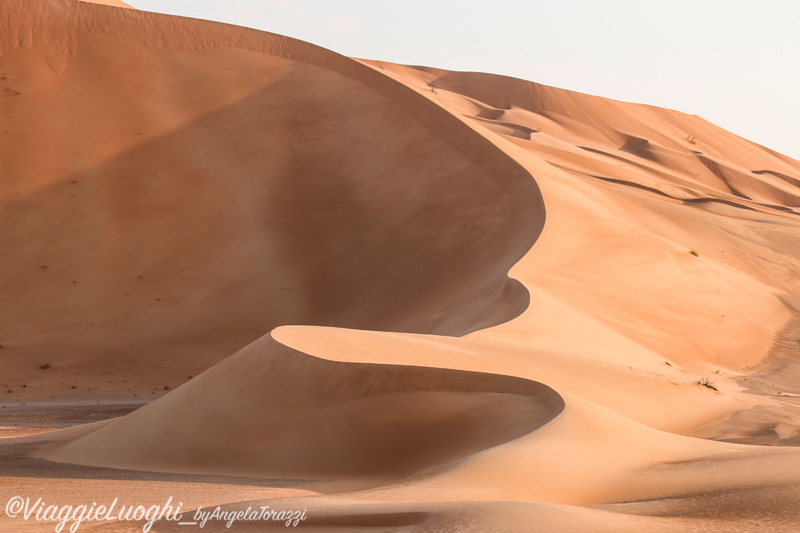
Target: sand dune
362 206
455 301
276 412
117 3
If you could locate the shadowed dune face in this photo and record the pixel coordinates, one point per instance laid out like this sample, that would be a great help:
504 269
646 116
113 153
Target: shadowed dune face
275 411
167 199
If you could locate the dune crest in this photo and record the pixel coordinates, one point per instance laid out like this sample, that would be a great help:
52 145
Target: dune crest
276 412
116 3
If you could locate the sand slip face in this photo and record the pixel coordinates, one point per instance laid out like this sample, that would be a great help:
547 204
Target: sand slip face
209 153
215 183
276 412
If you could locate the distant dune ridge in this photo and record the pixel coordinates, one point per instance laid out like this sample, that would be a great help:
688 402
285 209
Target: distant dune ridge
454 300
117 3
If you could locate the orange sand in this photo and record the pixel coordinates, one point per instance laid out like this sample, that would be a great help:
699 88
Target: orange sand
455 301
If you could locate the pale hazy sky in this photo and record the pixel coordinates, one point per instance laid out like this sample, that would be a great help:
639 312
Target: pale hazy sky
733 62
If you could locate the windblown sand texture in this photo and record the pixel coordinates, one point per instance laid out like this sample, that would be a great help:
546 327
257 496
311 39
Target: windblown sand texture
455 301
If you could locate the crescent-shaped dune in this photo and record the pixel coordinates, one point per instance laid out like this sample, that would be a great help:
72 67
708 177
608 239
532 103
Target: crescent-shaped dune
276 412
415 344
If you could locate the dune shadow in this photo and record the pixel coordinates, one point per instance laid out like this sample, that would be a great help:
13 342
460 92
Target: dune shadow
362 205
280 413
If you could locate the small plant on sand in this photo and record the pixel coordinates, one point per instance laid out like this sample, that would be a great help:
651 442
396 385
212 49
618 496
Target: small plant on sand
691 140
704 382
780 392
45 366
694 253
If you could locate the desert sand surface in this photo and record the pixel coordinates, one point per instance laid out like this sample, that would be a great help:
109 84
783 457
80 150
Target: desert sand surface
118 3
240 270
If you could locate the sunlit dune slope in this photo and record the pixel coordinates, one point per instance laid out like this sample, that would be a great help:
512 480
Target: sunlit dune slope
662 228
117 3
683 150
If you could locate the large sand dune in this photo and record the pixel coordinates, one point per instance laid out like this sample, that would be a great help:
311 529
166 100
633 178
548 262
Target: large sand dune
194 196
414 342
